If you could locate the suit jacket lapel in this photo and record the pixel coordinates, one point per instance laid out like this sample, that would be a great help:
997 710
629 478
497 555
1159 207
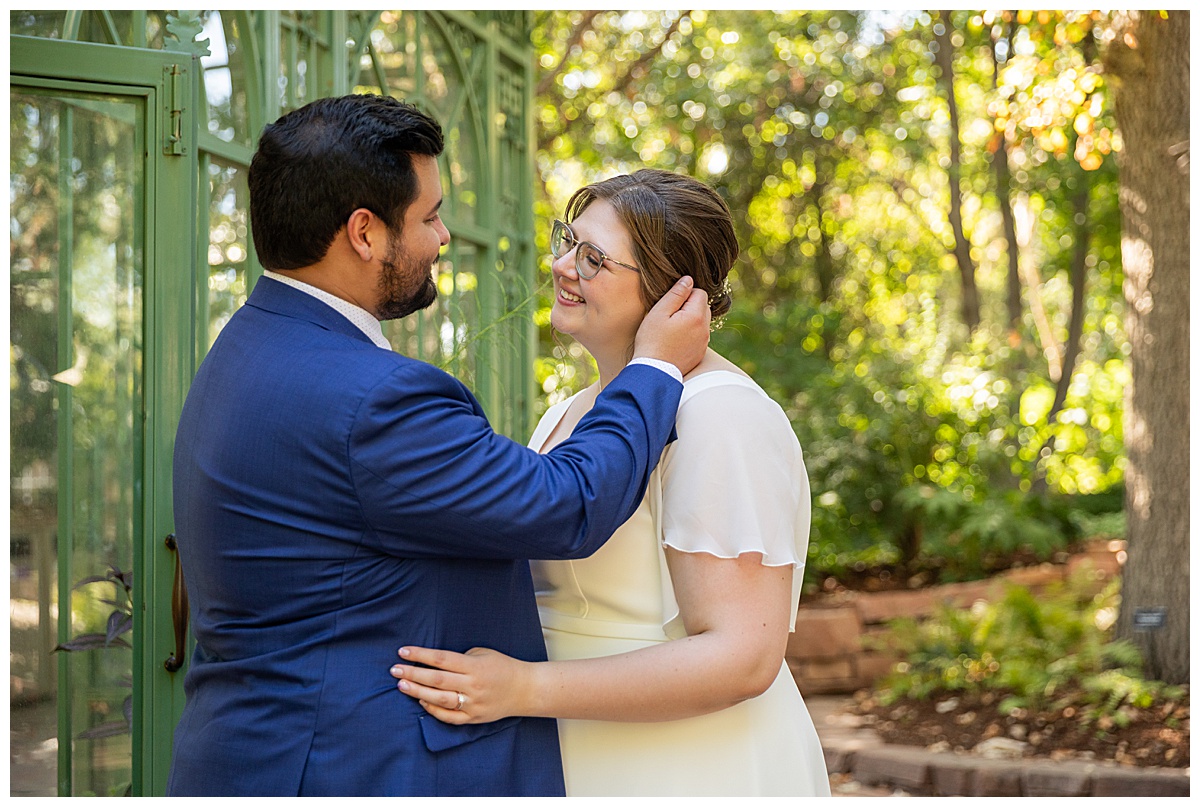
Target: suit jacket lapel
280 298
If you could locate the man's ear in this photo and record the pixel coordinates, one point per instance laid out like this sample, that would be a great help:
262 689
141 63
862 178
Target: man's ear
364 230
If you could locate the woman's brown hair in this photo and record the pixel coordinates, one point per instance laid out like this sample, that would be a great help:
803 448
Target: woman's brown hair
677 226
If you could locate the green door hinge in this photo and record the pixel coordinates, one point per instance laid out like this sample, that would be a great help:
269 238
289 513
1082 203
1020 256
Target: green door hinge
174 109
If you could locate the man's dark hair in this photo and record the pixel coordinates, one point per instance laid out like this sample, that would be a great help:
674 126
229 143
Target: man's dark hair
318 164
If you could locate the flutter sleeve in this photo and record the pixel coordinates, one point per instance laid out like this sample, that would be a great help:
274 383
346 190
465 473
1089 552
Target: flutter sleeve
734 482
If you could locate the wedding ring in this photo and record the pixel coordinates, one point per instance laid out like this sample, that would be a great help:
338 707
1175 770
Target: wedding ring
461 700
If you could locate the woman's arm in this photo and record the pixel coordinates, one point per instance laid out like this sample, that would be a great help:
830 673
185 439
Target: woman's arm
736 614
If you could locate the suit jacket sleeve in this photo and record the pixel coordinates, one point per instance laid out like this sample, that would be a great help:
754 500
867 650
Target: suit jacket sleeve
434 480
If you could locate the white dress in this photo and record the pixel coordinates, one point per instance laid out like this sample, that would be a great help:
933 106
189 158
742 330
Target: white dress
734 482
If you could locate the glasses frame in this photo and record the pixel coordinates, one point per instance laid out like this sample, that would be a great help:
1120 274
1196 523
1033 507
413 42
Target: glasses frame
568 237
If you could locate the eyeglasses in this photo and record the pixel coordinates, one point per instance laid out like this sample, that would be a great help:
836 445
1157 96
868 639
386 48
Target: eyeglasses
588 257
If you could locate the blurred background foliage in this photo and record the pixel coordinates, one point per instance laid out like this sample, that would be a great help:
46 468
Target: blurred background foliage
1049 650
930 279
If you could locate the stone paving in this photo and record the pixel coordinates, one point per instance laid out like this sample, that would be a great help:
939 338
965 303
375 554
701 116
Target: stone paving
861 764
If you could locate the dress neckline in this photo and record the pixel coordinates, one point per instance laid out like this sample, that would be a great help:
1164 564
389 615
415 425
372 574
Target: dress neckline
547 426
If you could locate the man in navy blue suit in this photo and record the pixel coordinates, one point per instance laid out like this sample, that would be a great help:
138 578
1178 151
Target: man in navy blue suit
335 500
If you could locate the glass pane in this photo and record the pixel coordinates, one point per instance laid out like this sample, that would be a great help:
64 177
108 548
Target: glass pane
456 98
75 378
225 77
156 29
37 23
445 334
422 66
33 446
51 25
300 49
228 243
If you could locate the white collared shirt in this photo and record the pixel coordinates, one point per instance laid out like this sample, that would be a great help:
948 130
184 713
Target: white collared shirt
659 364
359 317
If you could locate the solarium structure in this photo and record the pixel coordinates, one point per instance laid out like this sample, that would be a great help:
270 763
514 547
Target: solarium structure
130 137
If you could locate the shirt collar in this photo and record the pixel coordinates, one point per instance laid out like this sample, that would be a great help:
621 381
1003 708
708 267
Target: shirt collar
359 317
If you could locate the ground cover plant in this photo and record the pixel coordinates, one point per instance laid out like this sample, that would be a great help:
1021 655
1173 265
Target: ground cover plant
1041 671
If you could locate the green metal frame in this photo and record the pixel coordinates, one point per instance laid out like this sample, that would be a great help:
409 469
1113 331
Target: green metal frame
491 98
486 58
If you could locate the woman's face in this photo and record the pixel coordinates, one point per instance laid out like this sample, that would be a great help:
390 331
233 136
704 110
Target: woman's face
603 313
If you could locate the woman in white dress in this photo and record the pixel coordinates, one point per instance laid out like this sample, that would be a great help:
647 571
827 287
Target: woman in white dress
667 645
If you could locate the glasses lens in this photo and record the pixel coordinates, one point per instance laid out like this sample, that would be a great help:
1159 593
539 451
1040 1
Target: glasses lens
588 260
558 239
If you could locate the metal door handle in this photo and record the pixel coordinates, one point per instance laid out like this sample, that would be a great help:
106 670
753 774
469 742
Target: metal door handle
179 611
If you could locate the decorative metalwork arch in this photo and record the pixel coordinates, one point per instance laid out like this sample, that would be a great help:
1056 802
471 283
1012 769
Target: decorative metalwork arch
479 85
472 70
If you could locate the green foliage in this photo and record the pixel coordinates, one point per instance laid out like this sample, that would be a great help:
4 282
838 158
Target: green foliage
826 132
118 623
1102 525
969 537
1052 648
909 447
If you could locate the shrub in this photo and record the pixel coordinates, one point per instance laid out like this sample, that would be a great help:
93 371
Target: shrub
967 537
927 450
1050 649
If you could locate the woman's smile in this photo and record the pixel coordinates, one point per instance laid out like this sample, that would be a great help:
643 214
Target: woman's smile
602 312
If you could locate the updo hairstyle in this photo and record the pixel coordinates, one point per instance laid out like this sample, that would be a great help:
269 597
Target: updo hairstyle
677 225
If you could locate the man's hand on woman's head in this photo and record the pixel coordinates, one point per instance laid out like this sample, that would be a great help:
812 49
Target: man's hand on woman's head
676 329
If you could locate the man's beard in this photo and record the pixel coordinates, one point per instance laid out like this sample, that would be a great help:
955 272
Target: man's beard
397 297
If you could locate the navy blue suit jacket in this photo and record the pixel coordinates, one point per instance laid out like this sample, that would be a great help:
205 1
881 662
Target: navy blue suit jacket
334 501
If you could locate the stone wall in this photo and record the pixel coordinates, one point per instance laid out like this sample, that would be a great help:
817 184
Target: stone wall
826 654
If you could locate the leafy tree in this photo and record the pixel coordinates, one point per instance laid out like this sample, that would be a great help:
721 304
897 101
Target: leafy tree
829 135
943 51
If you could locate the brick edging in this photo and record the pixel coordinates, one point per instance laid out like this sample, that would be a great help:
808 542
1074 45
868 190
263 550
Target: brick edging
925 773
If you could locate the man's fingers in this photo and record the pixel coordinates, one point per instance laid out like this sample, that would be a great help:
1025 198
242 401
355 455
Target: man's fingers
675 297
696 302
682 286
676 329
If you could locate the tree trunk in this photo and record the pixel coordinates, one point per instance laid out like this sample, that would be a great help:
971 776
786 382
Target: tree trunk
1078 273
944 58
1149 58
1004 197
826 271
1078 278
1032 278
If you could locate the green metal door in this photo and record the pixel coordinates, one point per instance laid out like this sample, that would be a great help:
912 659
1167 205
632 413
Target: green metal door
102 188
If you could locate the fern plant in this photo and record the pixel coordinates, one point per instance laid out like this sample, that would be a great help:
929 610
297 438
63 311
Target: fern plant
1035 651
970 535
